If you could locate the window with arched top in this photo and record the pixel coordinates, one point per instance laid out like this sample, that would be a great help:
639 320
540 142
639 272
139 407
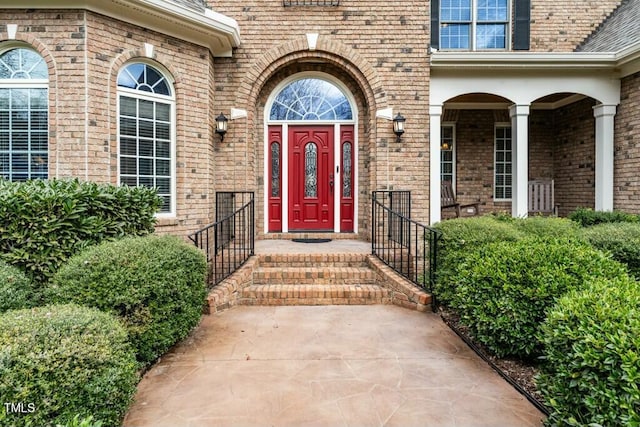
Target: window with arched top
146 131
311 99
24 115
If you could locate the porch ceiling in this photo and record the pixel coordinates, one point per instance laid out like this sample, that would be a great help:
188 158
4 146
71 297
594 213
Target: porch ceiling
487 101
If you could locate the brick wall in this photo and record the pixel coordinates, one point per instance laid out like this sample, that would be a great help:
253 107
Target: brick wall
559 26
561 147
574 156
85 51
627 147
377 48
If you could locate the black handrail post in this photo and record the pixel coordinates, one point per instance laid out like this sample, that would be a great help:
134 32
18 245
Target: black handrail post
400 242
233 234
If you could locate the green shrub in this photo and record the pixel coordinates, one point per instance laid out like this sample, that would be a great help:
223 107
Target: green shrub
16 290
622 240
504 289
43 223
84 422
591 370
155 284
462 235
542 226
587 217
60 362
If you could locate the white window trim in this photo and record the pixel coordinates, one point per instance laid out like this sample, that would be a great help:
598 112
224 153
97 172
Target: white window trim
474 23
29 84
454 150
501 125
132 93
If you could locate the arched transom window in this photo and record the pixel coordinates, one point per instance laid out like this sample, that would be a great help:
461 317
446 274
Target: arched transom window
311 99
146 129
24 115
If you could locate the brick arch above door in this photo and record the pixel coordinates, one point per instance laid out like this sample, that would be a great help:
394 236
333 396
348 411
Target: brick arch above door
296 50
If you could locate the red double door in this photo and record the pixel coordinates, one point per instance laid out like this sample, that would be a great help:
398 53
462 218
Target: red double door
313 178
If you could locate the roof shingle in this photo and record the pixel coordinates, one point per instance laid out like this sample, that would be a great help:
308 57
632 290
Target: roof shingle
617 31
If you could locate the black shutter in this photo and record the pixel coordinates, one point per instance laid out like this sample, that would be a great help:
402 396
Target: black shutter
435 24
521 25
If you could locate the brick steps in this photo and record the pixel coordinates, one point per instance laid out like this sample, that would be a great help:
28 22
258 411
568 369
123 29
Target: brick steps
316 279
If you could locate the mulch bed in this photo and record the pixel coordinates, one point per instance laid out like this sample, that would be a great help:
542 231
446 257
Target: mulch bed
520 373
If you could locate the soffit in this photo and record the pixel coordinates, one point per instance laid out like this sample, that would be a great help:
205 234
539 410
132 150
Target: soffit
183 19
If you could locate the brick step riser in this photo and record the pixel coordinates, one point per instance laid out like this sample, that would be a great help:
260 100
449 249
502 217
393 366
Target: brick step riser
314 295
305 260
317 280
314 301
306 264
327 281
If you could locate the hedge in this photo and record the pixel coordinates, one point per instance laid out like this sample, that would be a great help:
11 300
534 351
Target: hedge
587 217
460 236
505 289
16 290
43 223
64 362
155 284
621 240
591 370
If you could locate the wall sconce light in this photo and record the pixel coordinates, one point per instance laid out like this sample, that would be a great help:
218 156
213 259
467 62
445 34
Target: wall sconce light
398 126
222 124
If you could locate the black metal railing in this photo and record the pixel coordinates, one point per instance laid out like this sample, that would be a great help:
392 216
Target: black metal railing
405 245
229 242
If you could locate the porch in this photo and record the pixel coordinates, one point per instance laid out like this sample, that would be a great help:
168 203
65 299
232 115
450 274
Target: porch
499 121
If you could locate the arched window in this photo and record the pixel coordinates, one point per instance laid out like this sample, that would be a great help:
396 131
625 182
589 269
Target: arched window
24 115
145 131
311 99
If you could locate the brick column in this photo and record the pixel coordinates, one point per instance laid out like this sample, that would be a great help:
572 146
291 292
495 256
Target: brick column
520 160
604 156
435 114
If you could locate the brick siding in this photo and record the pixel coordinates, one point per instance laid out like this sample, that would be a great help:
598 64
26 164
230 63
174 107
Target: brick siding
627 147
559 26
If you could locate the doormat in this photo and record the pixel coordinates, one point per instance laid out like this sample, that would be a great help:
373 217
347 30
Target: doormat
311 240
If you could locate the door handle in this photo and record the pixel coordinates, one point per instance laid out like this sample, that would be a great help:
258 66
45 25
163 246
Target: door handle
331 185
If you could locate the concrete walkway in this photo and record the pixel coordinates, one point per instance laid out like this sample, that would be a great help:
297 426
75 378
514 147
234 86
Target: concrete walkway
325 366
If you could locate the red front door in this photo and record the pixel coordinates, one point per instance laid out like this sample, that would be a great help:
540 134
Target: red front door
311 176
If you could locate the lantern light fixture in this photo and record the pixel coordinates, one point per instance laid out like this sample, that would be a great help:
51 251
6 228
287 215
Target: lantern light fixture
222 125
398 126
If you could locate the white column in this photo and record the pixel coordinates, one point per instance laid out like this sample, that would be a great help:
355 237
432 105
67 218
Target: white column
435 115
604 156
520 159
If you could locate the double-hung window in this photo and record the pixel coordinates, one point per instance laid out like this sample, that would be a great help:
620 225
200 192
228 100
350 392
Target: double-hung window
503 178
474 24
447 153
146 132
24 115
